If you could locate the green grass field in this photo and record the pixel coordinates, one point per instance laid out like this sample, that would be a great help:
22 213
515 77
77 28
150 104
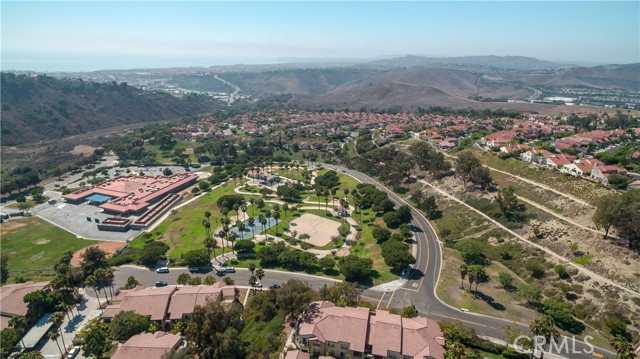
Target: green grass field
32 244
183 229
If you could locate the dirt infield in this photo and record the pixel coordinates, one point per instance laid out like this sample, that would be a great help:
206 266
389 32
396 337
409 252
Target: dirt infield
109 247
319 229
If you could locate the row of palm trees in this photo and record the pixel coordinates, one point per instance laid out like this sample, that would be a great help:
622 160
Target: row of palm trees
474 273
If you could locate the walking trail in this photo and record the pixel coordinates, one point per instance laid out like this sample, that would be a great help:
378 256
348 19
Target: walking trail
542 248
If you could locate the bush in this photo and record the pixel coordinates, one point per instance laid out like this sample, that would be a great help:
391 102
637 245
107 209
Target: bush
562 314
409 311
561 271
153 252
392 220
471 251
120 260
126 324
506 280
355 268
616 326
381 234
229 200
396 255
536 267
244 246
196 258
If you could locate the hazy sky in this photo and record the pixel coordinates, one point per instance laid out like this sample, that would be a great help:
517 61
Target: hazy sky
83 36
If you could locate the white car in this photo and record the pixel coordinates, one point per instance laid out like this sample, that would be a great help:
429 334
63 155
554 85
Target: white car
229 269
73 352
162 270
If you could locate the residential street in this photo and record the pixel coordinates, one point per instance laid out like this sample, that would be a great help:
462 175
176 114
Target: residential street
80 316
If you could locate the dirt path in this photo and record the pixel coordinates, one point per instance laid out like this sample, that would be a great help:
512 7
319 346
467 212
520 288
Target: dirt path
542 248
570 221
109 247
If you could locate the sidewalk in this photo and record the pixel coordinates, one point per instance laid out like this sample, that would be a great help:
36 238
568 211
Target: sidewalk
80 316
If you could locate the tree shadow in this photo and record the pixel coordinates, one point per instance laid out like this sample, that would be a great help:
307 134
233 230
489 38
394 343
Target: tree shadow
489 300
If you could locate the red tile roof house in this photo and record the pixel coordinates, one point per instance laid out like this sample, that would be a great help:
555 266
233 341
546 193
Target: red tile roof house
582 167
535 154
558 161
498 139
12 300
167 305
148 346
601 174
325 329
634 185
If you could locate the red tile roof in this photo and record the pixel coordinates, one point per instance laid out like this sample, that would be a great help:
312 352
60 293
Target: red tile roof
147 346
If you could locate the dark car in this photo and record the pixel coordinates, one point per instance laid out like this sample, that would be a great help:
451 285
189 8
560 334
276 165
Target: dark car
161 283
274 286
194 269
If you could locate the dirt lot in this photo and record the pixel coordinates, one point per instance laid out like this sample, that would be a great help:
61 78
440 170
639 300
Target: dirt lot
10 226
109 247
319 229
82 150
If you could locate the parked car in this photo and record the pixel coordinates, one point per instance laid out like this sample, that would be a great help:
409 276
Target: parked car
229 269
162 270
73 352
257 285
161 283
274 286
194 269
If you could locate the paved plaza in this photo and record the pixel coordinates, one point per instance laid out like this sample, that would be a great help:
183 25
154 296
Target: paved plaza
73 218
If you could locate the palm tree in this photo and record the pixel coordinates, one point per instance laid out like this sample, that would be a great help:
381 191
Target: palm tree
334 191
623 347
208 242
544 327
252 267
109 276
318 194
285 208
223 234
54 336
241 227
92 282
253 207
236 207
470 277
101 275
231 237
57 319
343 206
326 193
243 207
464 269
276 216
252 222
259 274
263 221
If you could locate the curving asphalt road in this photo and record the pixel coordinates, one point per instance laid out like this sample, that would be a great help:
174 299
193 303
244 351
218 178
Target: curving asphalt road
418 290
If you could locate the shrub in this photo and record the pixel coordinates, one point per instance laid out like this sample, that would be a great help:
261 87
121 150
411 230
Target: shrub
562 314
153 252
536 267
561 271
244 246
506 280
229 200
